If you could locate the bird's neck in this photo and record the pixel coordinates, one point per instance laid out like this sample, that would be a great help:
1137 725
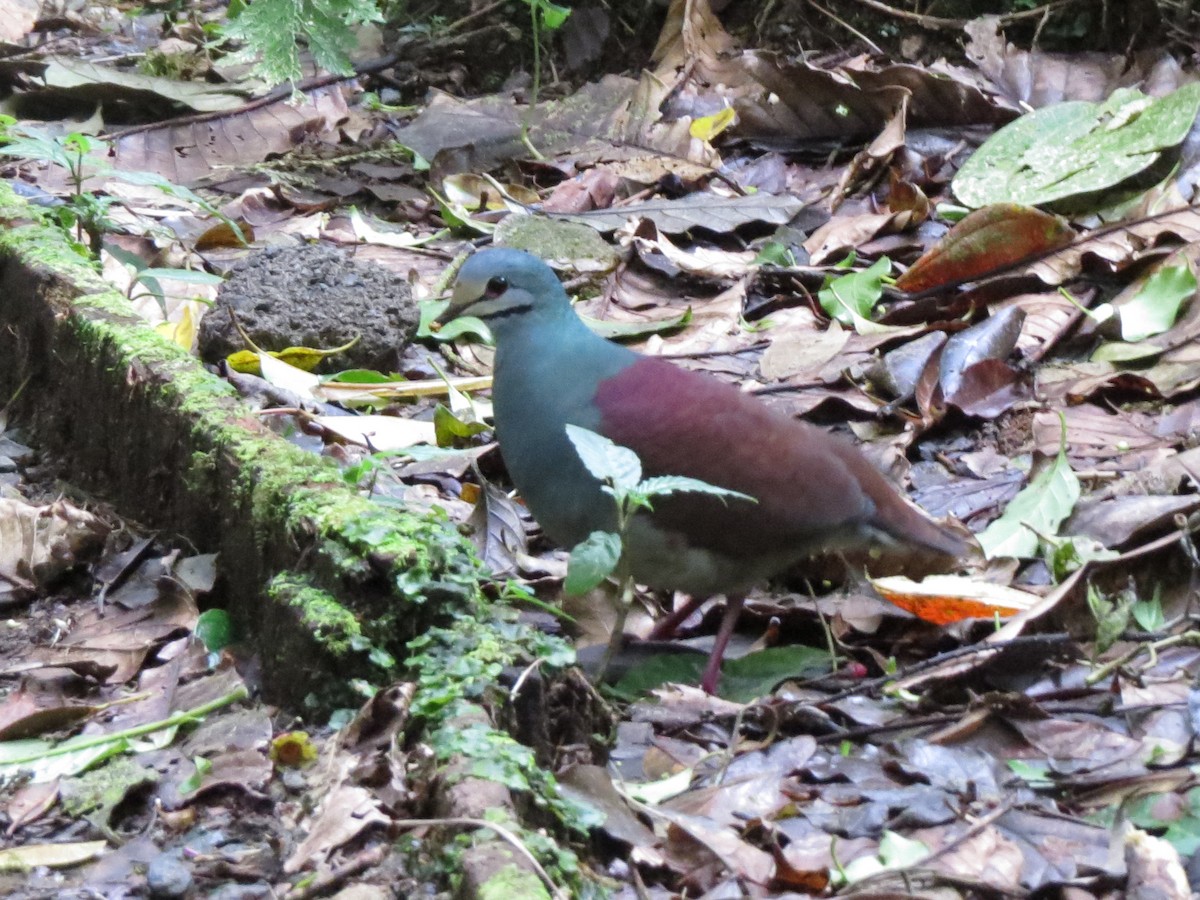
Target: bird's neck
548 367
555 344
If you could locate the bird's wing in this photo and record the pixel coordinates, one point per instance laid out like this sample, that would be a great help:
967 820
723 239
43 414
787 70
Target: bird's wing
684 423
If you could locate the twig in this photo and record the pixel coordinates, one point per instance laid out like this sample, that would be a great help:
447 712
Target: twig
875 48
1175 640
933 22
178 718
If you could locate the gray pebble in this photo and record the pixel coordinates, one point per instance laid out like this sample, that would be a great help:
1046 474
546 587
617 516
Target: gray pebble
168 877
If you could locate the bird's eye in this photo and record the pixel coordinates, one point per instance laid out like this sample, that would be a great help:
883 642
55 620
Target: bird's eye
496 286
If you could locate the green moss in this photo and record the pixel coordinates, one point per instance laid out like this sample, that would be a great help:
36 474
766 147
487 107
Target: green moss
329 621
561 243
512 881
104 787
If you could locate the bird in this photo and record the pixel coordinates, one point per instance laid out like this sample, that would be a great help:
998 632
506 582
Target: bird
813 492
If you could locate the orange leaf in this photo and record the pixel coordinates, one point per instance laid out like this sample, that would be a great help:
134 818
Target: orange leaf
943 599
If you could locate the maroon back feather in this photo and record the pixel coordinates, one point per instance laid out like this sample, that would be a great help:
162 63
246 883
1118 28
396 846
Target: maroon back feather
813 489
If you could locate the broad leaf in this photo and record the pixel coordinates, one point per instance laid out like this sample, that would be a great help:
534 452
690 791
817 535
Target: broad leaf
618 466
662 485
852 298
1154 308
756 674
1038 510
593 559
1076 148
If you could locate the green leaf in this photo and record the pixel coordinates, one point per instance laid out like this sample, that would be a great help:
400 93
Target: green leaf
645 676
1154 308
1182 824
1149 613
775 253
188 276
1038 510
1121 352
552 15
1112 614
895 852
215 629
202 767
358 376
431 309
1078 148
618 466
629 331
449 429
1035 774
662 485
852 297
755 675
593 559
272 29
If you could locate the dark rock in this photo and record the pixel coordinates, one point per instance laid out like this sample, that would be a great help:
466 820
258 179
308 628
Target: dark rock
314 296
168 877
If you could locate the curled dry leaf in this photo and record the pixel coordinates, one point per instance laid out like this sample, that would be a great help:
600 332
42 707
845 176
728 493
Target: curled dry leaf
39 543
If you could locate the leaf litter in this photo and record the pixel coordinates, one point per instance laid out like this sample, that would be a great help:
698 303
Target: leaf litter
983 748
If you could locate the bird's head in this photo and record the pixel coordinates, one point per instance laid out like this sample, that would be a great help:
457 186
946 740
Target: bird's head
503 287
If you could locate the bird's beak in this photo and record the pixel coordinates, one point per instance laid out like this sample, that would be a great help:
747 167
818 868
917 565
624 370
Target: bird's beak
465 296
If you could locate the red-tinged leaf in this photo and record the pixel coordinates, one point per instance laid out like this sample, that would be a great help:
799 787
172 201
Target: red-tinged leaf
944 599
987 240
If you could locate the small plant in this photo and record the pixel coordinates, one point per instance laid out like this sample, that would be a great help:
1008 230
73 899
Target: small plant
602 553
272 30
83 214
542 14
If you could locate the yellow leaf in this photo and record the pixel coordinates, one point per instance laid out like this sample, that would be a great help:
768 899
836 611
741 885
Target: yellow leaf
182 332
244 361
304 358
708 127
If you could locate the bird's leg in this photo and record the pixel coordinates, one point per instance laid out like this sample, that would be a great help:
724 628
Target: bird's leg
712 672
666 628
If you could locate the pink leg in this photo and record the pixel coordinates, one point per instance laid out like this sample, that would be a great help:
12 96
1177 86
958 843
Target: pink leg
712 672
666 628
